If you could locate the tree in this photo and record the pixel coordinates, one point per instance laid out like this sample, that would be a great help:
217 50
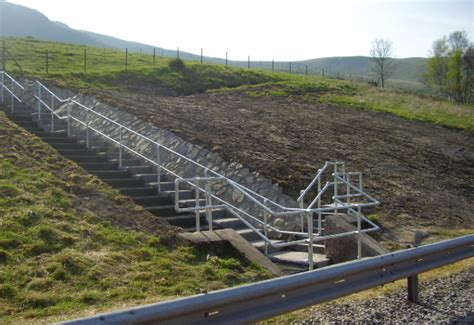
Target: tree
451 67
383 66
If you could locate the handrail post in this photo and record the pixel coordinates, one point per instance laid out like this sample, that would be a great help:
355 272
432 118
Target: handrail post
12 92
265 229
311 240
39 102
359 235
120 147
52 113
3 83
208 200
198 213
301 204
335 190
87 133
68 110
319 207
158 167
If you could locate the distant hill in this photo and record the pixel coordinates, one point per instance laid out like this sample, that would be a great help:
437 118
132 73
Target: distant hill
20 21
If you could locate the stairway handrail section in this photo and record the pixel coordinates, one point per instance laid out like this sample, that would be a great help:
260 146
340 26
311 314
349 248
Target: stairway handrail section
305 213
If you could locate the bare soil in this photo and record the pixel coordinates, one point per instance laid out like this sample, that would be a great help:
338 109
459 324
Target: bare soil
422 173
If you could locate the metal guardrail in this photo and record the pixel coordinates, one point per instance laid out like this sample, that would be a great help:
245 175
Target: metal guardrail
341 203
258 301
5 77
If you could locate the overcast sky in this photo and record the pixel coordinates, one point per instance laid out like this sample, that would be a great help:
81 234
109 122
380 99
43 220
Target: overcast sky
265 30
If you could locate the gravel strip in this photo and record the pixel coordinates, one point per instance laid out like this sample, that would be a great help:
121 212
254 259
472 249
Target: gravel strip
446 300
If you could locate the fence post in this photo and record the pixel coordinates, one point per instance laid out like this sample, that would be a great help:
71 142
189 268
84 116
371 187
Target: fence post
85 60
154 56
248 63
47 61
323 73
158 167
306 70
289 68
226 58
177 53
126 58
273 65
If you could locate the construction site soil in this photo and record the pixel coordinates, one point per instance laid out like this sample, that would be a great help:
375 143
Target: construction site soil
422 173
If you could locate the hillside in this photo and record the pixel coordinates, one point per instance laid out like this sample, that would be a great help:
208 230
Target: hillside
71 246
20 21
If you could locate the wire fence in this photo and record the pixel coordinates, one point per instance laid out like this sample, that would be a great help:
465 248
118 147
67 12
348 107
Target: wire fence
31 55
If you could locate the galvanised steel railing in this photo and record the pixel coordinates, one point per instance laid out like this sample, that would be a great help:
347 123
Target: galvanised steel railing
4 79
269 209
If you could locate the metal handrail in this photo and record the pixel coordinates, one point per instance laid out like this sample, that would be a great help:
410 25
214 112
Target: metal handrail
303 212
11 91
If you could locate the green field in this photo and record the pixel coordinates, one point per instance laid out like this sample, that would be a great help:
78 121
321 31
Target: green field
106 69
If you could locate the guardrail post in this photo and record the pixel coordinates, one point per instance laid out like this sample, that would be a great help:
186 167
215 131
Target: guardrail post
52 113
311 240
265 229
359 234
198 213
120 147
412 282
319 207
39 102
208 200
335 190
158 167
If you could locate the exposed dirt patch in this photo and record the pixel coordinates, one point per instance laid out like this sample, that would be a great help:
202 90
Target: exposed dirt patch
422 173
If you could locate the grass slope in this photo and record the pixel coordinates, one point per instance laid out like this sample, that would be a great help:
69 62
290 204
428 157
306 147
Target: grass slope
71 245
106 69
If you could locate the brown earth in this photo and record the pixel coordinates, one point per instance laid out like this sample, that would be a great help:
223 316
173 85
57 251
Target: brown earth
422 173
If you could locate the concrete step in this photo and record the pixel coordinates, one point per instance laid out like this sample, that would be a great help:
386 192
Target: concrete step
111 174
68 146
229 222
138 191
31 129
125 182
77 152
55 134
62 140
163 210
98 166
248 234
183 194
20 118
151 177
153 200
128 162
164 186
203 227
28 124
260 244
138 169
88 159
298 258
184 221
219 213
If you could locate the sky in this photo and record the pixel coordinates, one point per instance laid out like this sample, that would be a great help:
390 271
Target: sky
266 30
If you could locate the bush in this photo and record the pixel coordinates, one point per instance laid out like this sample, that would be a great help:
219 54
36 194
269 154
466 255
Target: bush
178 65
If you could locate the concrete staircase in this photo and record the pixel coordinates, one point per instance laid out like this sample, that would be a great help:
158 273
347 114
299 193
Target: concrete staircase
139 181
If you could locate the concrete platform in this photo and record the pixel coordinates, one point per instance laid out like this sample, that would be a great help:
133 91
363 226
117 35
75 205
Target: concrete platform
300 258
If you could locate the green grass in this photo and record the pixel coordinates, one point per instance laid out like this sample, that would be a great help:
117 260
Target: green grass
106 69
60 255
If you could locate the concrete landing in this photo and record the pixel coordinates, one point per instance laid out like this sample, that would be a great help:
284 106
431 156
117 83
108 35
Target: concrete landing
300 258
237 241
